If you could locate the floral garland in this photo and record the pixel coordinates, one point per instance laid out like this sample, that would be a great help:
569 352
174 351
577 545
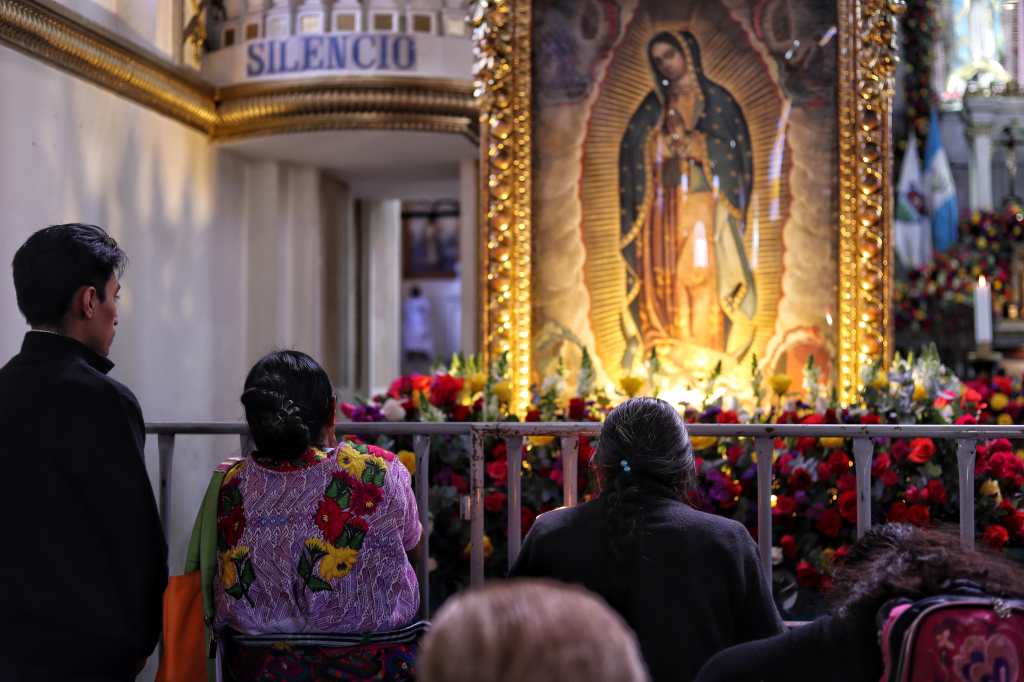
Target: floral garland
814 491
920 27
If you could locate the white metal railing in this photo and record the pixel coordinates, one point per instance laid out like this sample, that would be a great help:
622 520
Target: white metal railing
514 434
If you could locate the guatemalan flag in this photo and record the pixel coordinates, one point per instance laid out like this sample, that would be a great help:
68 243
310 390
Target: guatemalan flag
912 231
941 192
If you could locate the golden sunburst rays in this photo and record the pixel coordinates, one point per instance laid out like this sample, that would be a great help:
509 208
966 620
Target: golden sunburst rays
627 82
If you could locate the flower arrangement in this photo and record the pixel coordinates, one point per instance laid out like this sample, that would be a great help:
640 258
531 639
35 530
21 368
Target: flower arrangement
814 490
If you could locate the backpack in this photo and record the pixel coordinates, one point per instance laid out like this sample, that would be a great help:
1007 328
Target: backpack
965 635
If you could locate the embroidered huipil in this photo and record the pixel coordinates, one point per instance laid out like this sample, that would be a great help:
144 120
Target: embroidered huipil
317 546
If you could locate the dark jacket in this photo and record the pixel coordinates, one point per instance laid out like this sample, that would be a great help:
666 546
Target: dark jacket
691 587
85 560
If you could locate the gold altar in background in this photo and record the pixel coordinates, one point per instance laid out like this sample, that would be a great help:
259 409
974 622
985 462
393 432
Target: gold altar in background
686 181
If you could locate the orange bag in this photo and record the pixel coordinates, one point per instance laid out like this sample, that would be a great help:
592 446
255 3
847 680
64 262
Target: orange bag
183 655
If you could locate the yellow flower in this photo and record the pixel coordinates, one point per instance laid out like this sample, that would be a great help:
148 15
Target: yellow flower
541 441
408 458
476 382
881 381
831 442
351 460
488 548
228 571
990 488
780 383
338 563
503 390
1020 454
703 442
999 401
920 393
631 384
1004 419
827 555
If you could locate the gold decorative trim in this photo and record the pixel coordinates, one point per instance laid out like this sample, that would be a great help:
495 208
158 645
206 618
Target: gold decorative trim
48 32
867 64
501 33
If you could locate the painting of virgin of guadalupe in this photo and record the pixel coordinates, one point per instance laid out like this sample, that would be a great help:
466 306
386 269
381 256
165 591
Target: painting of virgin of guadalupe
685 179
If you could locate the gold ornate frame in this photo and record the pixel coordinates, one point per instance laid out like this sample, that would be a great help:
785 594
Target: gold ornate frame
867 59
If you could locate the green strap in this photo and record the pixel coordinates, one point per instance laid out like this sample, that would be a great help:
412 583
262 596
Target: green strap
202 556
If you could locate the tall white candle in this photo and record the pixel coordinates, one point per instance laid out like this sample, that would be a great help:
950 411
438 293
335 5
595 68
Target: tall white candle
982 312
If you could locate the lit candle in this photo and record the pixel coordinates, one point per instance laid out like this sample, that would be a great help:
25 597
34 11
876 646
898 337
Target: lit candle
982 313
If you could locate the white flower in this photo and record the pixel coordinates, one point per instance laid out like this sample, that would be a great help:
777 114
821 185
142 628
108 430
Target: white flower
554 383
776 556
393 410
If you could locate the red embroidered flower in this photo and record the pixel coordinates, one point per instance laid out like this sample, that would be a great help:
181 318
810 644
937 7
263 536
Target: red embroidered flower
921 450
444 389
232 526
830 522
788 545
577 409
848 505
495 502
498 471
995 536
800 479
366 498
330 519
919 515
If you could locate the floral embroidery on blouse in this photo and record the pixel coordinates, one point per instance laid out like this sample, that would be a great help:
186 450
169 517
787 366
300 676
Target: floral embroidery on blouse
236 571
353 494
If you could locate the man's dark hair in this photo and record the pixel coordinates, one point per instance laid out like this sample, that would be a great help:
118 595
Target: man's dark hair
56 261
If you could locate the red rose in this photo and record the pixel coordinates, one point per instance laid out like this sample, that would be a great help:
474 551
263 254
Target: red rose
870 419
577 409
995 536
921 450
830 522
1003 384
499 451
966 419
899 513
444 389
782 464
824 471
788 545
460 484
813 419
880 465
848 505
800 479
533 416
232 526
1000 445
937 492
899 450
401 386
587 452
807 575
727 417
495 502
1005 465
784 506
841 553
330 519
890 478
805 443
1015 523
365 498
498 471
847 481
733 453
919 515
839 461
461 413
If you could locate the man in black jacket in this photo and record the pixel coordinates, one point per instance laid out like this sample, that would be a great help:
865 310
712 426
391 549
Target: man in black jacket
85 561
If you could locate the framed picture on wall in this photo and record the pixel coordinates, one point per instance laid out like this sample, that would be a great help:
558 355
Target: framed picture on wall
430 239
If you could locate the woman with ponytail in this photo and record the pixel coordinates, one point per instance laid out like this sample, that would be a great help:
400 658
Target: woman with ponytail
312 534
687 582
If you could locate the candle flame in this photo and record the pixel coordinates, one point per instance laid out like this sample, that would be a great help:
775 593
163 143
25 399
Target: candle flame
828 318
982 282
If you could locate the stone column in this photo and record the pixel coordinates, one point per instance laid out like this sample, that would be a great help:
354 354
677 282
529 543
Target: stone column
981 167
381 227
469 254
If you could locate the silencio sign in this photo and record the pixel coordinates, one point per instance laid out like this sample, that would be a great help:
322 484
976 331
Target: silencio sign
338 52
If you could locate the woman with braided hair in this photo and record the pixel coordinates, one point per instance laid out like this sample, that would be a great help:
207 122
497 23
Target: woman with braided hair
687 582
312 572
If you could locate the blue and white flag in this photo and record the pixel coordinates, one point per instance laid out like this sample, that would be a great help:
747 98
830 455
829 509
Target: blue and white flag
941 192
912 231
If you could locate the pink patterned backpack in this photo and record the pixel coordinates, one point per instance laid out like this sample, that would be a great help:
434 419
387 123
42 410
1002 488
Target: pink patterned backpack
964 636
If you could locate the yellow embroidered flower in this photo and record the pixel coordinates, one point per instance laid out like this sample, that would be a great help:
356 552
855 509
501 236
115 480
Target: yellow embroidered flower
408 458
631 384
1004 419
503 391
338 563
703 442
318 544
999 401
229 565
920 393
541 441
476 382
831 442
780 383
233 472
351 460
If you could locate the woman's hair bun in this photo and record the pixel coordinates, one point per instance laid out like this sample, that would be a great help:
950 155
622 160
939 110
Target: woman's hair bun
276 422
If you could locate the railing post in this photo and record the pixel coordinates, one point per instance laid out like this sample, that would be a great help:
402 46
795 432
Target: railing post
421 446
965 453
863 451
764 448
570 467
476 523
165 444
514 447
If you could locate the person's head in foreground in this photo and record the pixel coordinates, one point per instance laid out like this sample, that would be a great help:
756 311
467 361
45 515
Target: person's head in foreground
66 282
289 405
529 631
